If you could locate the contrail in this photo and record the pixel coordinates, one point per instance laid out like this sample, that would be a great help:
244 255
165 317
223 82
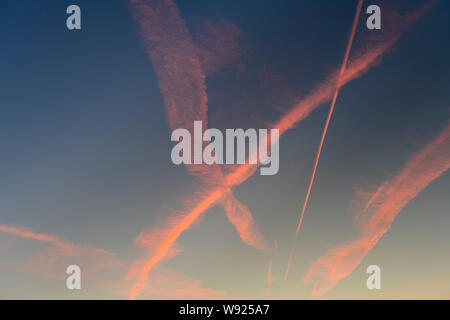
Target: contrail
163 249
94 259
327 123
269 278
324 92
391 197
67 249
330 113
42 237
30 234
181 80
242 219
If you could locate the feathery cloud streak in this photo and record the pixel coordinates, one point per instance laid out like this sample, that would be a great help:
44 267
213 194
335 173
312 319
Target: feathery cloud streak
181 79
390 198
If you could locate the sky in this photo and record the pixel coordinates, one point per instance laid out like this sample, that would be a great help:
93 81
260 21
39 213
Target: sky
86 176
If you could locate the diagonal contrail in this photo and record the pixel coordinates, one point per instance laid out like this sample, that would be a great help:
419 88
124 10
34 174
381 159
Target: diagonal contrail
360 65
327 123
330 113
181 80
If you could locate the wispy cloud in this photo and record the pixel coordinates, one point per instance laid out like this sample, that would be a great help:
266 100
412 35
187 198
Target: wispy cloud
181 78
180 66
380 211
53 259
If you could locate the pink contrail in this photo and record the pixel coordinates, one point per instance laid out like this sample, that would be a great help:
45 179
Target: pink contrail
163 249
242 219
181 79
42 237
391 197
324 92
66 249
30 234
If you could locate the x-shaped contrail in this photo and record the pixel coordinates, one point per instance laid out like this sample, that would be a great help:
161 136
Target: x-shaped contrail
323 93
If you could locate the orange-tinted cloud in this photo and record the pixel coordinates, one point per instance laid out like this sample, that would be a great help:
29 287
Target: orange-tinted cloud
390 198
327 123
30 234
181 78
53 259
217 44
163 249
171 49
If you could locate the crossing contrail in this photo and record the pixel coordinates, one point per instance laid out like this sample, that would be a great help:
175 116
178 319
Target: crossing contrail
181 79
363 61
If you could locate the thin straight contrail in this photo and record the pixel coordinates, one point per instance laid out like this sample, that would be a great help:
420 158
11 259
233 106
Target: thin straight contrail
327 123
330 113
67 248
